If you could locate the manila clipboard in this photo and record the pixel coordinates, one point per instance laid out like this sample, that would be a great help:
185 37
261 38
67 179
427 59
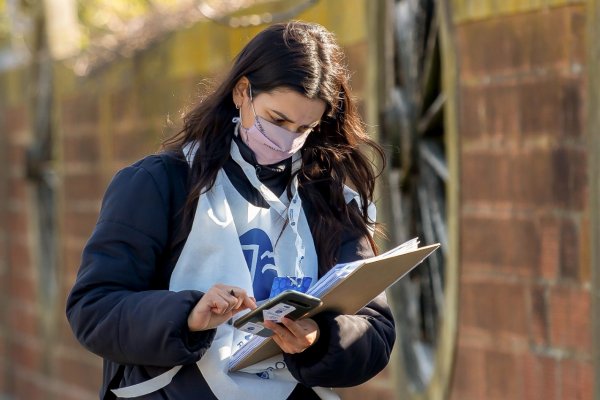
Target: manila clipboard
353 292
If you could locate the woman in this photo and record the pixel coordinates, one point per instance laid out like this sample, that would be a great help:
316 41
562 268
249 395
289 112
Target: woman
254 189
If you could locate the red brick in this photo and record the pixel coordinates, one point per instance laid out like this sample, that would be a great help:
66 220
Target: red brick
84 148
490 47
18 223
467 311
504 376
473 113
17 157
499 308
26 355
541 379
570 180
18 189
79 110
468 380
577 380
561 248
503 111
28 385
3 246
585 256
85 373
6 377
123 105
135 144
526 178
507 245
4 301
23 287
515 43
531 179
76 393
570 249
486 176
550 251
16 119
551 106
548 35
539 326
23 319
79 223
367 392
4 333
19 256
84 186
577 36
535 178
570 318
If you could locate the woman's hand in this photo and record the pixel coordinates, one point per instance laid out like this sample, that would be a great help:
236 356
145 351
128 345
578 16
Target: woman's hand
218 305
294 336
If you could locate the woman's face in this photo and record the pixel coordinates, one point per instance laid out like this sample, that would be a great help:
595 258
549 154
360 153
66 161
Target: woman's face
284 107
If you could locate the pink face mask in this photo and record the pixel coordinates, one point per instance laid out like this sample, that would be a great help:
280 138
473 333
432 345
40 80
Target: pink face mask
269 142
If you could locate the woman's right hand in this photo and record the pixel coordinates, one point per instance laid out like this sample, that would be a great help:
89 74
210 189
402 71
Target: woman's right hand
218 305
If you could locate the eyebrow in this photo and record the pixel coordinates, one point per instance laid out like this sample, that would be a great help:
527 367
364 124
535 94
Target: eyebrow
285 117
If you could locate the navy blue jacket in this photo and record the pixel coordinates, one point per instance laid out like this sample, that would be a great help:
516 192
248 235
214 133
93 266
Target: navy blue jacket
120 307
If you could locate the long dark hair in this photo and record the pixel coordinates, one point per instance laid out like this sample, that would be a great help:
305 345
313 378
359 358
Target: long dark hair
306 58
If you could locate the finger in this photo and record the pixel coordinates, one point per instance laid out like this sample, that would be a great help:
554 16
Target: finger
299 328
249 302
238 301
293 327
234 291
286 346
218 305
281 343
290 327
240 296
230 300
280 331
244 304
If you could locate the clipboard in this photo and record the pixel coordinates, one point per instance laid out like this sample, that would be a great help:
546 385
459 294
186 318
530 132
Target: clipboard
371 277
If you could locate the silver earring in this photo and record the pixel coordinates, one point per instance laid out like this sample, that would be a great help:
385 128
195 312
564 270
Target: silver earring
237 107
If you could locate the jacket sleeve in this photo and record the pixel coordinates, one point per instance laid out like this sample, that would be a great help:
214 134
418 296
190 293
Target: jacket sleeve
351 349
115 308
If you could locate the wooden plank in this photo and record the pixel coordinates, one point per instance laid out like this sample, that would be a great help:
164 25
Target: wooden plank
432 114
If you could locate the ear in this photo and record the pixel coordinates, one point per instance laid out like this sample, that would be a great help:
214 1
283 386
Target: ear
240 91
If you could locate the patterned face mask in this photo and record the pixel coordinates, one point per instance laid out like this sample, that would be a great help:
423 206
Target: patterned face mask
269 142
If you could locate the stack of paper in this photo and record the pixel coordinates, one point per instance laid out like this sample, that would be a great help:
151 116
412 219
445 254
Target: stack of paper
346 288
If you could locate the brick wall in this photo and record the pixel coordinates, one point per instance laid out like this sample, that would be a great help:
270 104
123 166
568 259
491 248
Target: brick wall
102 121
525 329
525 306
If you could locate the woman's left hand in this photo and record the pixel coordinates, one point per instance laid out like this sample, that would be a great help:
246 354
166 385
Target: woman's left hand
294 336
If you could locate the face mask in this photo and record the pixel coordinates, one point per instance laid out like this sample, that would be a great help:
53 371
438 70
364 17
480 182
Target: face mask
270 143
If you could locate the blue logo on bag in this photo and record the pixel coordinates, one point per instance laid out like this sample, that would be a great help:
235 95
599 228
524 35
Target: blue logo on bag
258 252
264 375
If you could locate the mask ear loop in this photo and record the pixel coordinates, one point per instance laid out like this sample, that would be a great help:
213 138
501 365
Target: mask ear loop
252 101
256 119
